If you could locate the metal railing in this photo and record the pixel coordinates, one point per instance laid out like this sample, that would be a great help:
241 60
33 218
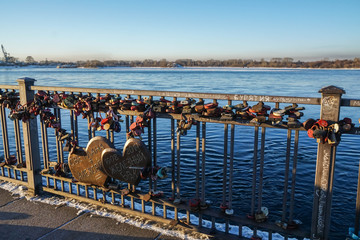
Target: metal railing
39 158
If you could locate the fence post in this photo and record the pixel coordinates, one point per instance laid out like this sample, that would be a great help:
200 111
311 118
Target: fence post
31 139
325 163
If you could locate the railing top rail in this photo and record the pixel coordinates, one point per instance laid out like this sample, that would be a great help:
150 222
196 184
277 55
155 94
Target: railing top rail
350 102
219 96
9 87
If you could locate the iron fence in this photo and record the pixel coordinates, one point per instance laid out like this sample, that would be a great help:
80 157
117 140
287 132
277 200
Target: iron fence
35 158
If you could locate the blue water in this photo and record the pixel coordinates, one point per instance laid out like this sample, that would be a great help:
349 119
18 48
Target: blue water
280 82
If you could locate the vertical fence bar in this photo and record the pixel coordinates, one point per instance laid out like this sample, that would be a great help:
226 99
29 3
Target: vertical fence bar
61 153
286 175
76 128
197 181
4 132
93 129
150 150
261 171
72 123
178 164
325 163
89 126
225 164
232 136
253 192
164 211
154 149
357 215
56 137
172 158
19 156
44 142
293 176
203 152
31 139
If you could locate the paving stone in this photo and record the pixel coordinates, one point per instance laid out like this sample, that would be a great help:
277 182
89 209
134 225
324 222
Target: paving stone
24 219
5 197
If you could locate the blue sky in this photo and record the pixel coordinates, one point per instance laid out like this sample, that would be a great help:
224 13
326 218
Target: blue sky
197 29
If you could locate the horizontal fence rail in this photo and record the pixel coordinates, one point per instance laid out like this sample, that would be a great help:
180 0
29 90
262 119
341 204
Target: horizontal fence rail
41 164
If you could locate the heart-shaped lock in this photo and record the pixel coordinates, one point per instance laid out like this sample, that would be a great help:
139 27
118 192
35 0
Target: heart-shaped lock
122 166
85 164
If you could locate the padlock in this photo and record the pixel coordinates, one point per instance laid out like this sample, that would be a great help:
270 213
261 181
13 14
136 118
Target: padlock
239 106
275 119
147 100
67 147
262 215
228 107
117 127
332 139
210 106
257 108
260 118
185 102
199 108
126 106
229 211
69 101
320 133
322 123
162 173
159 109
227 116
187 110
308 123
194 204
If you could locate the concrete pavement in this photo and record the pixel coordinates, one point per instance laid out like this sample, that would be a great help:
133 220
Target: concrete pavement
23 219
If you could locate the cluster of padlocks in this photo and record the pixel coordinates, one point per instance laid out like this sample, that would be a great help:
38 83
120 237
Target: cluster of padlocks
327 132
114 105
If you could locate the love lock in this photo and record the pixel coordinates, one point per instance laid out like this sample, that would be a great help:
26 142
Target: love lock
293 121
229 211
308 123
187 109
162 172
334 134
257 108
69 102
262 215
194 204
320 135
9 161
227 116
117 127
275 118
244 114
346 125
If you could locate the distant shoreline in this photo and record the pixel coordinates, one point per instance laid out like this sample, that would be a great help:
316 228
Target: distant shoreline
186 67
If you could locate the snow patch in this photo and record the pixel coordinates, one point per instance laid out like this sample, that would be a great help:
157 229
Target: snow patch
21 191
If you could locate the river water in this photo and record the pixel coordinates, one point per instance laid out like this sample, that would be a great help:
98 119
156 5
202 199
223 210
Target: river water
280 82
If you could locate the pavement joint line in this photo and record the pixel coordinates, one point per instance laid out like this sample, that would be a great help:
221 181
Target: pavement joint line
55 229
157 237
16 199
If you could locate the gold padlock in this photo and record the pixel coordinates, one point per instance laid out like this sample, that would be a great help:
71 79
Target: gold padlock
107 126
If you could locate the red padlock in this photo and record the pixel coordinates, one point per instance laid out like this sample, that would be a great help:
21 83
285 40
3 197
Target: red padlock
322 123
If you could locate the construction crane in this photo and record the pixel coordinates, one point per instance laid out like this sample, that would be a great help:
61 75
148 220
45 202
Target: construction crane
6 55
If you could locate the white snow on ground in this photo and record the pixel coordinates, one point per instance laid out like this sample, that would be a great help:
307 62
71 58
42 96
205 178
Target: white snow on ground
21 192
